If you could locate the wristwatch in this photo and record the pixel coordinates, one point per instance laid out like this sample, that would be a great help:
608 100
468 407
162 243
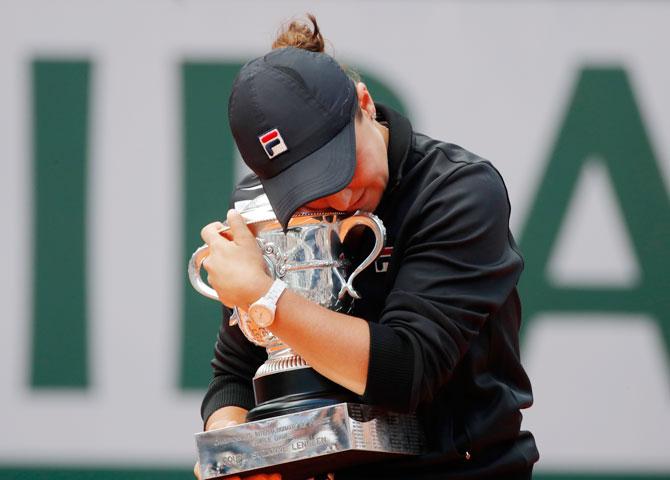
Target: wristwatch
262 311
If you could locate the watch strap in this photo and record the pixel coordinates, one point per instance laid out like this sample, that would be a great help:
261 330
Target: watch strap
275 291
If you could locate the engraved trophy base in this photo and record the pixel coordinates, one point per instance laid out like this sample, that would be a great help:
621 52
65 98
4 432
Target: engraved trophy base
307 443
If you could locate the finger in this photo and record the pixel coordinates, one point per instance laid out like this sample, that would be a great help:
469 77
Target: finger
210 233
223 424
196 470
241 233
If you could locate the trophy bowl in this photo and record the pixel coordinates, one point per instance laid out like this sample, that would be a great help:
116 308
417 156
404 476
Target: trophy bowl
303 423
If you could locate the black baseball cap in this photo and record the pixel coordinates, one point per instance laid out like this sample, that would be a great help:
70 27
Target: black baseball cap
292 114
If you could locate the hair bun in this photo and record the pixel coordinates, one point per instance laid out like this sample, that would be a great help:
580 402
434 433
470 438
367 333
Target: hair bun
300 34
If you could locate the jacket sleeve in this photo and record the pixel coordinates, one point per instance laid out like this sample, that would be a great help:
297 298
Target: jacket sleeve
234 364
458 265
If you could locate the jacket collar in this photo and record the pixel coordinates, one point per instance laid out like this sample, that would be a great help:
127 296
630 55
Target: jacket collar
400 141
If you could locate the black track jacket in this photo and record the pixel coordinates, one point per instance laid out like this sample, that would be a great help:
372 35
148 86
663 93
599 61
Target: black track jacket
444 317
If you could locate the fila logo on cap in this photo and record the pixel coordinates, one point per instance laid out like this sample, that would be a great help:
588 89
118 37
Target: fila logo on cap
272 143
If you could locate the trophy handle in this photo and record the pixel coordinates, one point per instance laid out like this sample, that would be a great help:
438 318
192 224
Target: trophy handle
194 267
375 224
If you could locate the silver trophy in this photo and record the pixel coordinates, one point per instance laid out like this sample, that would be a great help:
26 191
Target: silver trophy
303 424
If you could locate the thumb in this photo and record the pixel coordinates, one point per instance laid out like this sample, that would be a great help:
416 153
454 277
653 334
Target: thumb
241 233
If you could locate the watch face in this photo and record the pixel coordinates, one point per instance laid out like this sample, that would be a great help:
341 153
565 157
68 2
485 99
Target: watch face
261 315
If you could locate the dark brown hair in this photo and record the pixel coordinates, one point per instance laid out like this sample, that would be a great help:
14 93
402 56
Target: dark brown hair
299 34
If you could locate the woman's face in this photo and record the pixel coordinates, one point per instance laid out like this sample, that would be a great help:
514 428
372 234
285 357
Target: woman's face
367 186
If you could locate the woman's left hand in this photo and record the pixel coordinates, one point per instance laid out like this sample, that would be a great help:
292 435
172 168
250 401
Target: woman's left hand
235 265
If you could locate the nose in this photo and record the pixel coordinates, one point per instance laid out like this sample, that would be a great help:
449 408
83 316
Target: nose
342 199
